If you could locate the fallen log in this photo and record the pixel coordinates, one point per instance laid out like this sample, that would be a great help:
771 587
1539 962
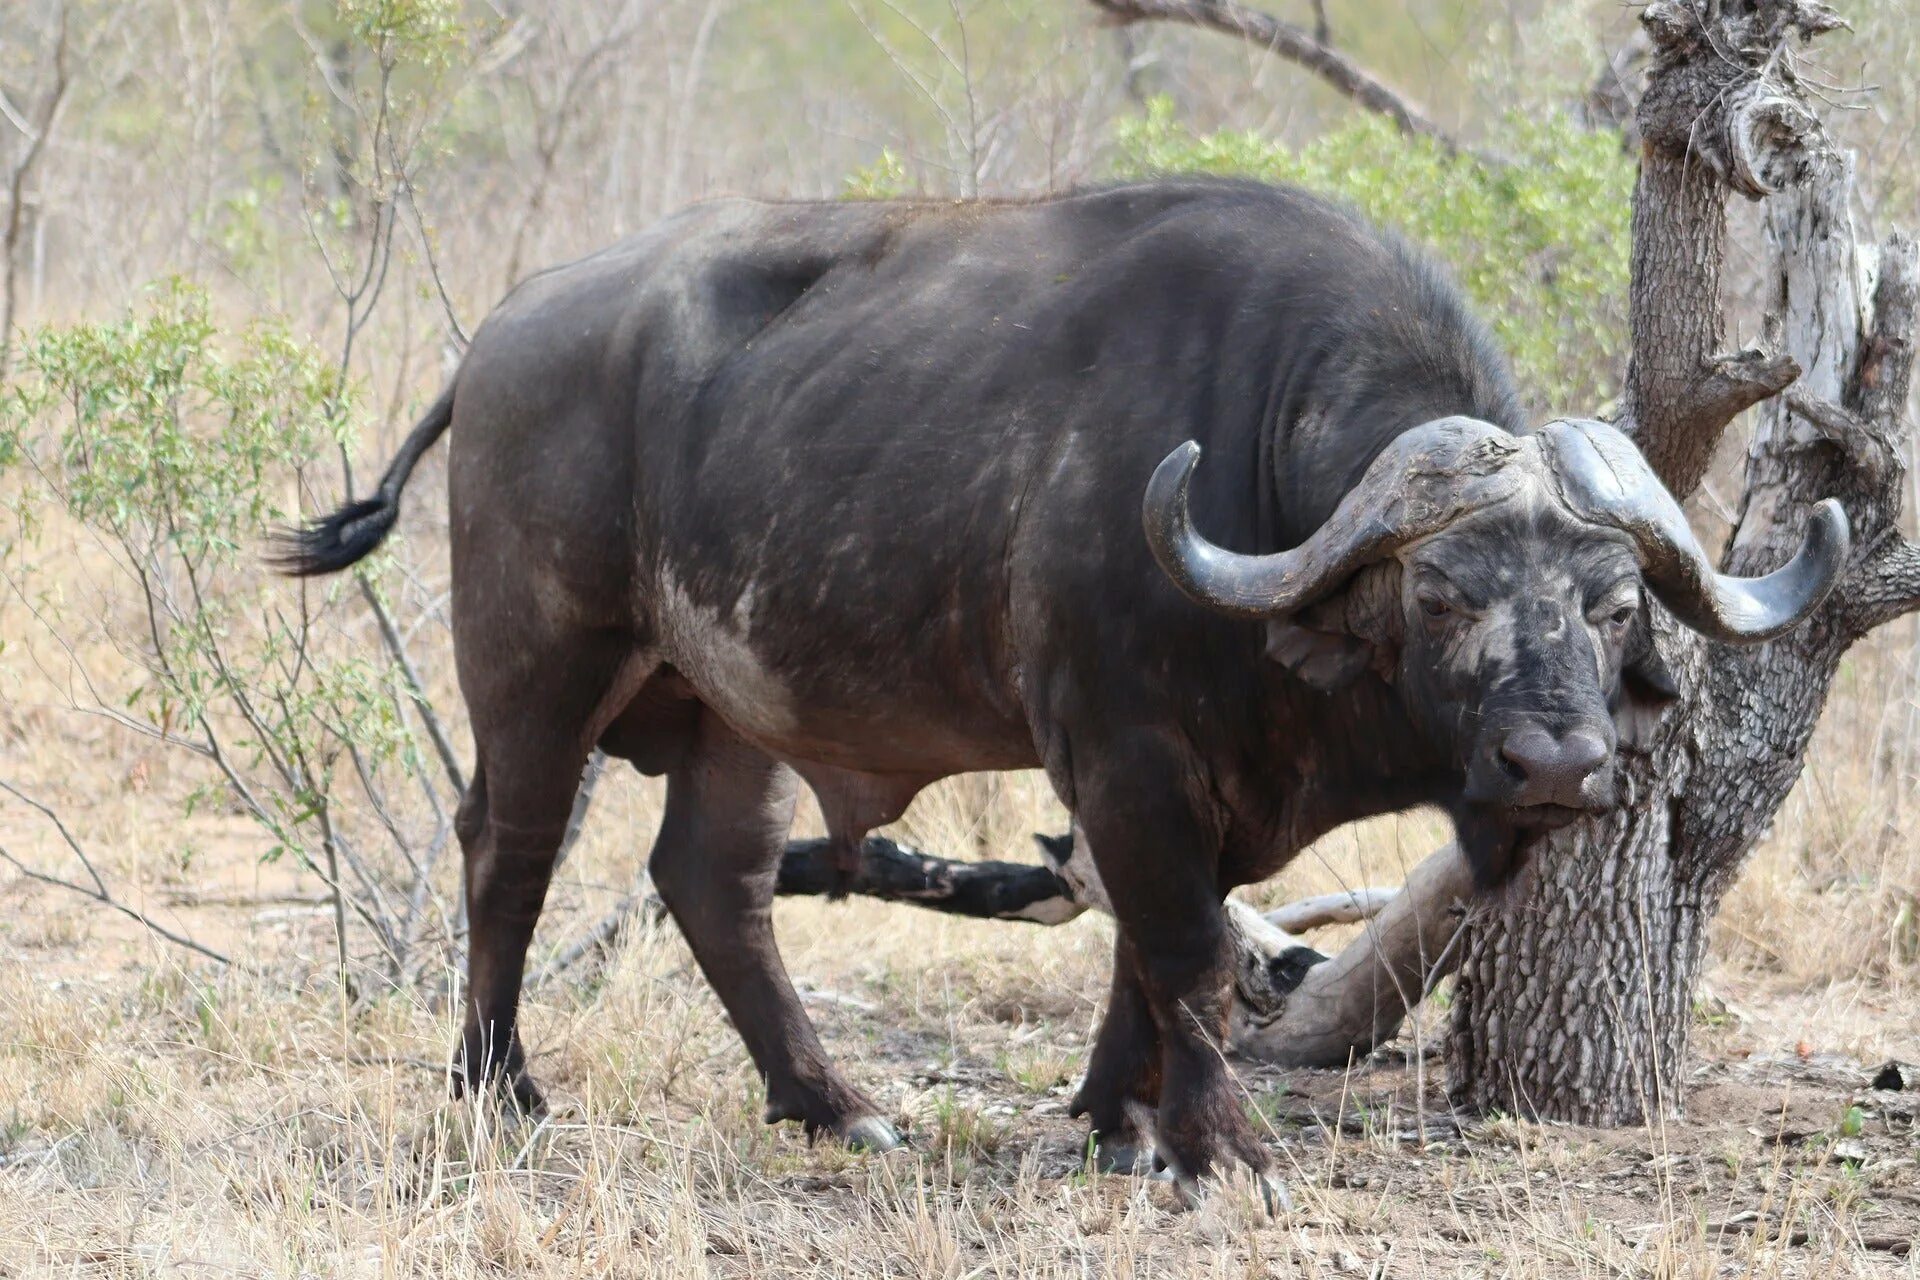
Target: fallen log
1330 1011
1293 1005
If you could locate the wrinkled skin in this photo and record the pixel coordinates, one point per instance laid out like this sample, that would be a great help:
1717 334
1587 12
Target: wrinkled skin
848 495
1513 633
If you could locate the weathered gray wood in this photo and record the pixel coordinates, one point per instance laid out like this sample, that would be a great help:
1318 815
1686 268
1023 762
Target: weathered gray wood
1341 1009
1348 907
1575 1002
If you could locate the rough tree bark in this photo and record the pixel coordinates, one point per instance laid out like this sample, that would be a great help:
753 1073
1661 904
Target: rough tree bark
1574 1000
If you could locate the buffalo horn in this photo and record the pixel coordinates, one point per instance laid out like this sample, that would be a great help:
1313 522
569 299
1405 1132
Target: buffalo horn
1605 479
1421 482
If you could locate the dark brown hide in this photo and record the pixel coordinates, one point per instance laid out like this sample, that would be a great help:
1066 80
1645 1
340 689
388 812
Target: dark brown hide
850 493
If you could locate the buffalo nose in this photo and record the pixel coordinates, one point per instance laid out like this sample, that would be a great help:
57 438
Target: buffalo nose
1554 770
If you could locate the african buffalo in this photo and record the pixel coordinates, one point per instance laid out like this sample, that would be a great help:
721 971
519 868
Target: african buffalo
850 494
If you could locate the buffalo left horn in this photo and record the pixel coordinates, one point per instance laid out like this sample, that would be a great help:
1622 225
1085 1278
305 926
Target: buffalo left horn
1604 478
1420 483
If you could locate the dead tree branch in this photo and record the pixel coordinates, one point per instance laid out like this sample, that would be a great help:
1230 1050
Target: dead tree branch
894 872
1350 907
1615 93
1723 111
1293 1005
97 888
1885 586
1284 40
1326 1012
38 132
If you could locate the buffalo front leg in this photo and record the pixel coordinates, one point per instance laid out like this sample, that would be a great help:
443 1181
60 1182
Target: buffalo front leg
729 807
1123 1072
1158 860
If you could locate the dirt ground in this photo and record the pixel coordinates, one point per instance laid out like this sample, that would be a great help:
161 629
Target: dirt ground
162 1117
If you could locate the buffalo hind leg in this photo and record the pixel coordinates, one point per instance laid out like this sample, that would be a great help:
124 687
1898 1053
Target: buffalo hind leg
510 825
729 808
1123 1071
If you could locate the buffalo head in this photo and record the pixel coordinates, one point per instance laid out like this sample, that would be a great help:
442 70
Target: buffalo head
1496 581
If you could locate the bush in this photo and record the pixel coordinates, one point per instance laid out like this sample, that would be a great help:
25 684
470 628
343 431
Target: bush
1537 237
173 453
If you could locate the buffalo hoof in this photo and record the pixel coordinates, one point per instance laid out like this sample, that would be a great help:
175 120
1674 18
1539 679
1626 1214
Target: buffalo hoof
1122 1157
1274 1199
519 1093
871 1133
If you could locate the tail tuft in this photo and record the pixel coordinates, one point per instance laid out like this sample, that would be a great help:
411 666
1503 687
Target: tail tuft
333 542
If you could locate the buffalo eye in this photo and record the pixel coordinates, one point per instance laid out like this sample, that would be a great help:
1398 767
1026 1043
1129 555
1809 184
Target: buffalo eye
1619 617
1434 607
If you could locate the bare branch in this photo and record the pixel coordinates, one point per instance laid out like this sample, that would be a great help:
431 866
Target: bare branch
1736 381
1867 446
1615 92
1322 29
1325 1014
602 937
893 872
60 826
97 891
1284 40
38 133
1885 586
429 718
1347 907
582 802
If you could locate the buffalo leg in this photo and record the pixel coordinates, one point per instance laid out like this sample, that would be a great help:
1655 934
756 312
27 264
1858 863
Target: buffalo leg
1159 864
729 807
1123 1072
510 824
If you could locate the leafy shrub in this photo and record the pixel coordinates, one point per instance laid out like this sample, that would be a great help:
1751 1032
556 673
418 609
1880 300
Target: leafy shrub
172 452
1538 236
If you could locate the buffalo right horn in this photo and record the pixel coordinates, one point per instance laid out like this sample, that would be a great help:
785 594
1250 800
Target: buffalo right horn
1421 482
1604 478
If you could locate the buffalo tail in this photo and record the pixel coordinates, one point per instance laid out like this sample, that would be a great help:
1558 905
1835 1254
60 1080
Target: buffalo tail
348 535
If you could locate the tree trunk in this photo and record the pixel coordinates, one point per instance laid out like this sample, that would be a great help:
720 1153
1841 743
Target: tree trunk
1574 996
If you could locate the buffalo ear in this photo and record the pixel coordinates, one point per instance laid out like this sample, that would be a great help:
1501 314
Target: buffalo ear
1332 643
1647 689
1326 660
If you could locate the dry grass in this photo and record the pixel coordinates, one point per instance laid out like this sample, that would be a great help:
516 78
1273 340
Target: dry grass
165 1118
161 1117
